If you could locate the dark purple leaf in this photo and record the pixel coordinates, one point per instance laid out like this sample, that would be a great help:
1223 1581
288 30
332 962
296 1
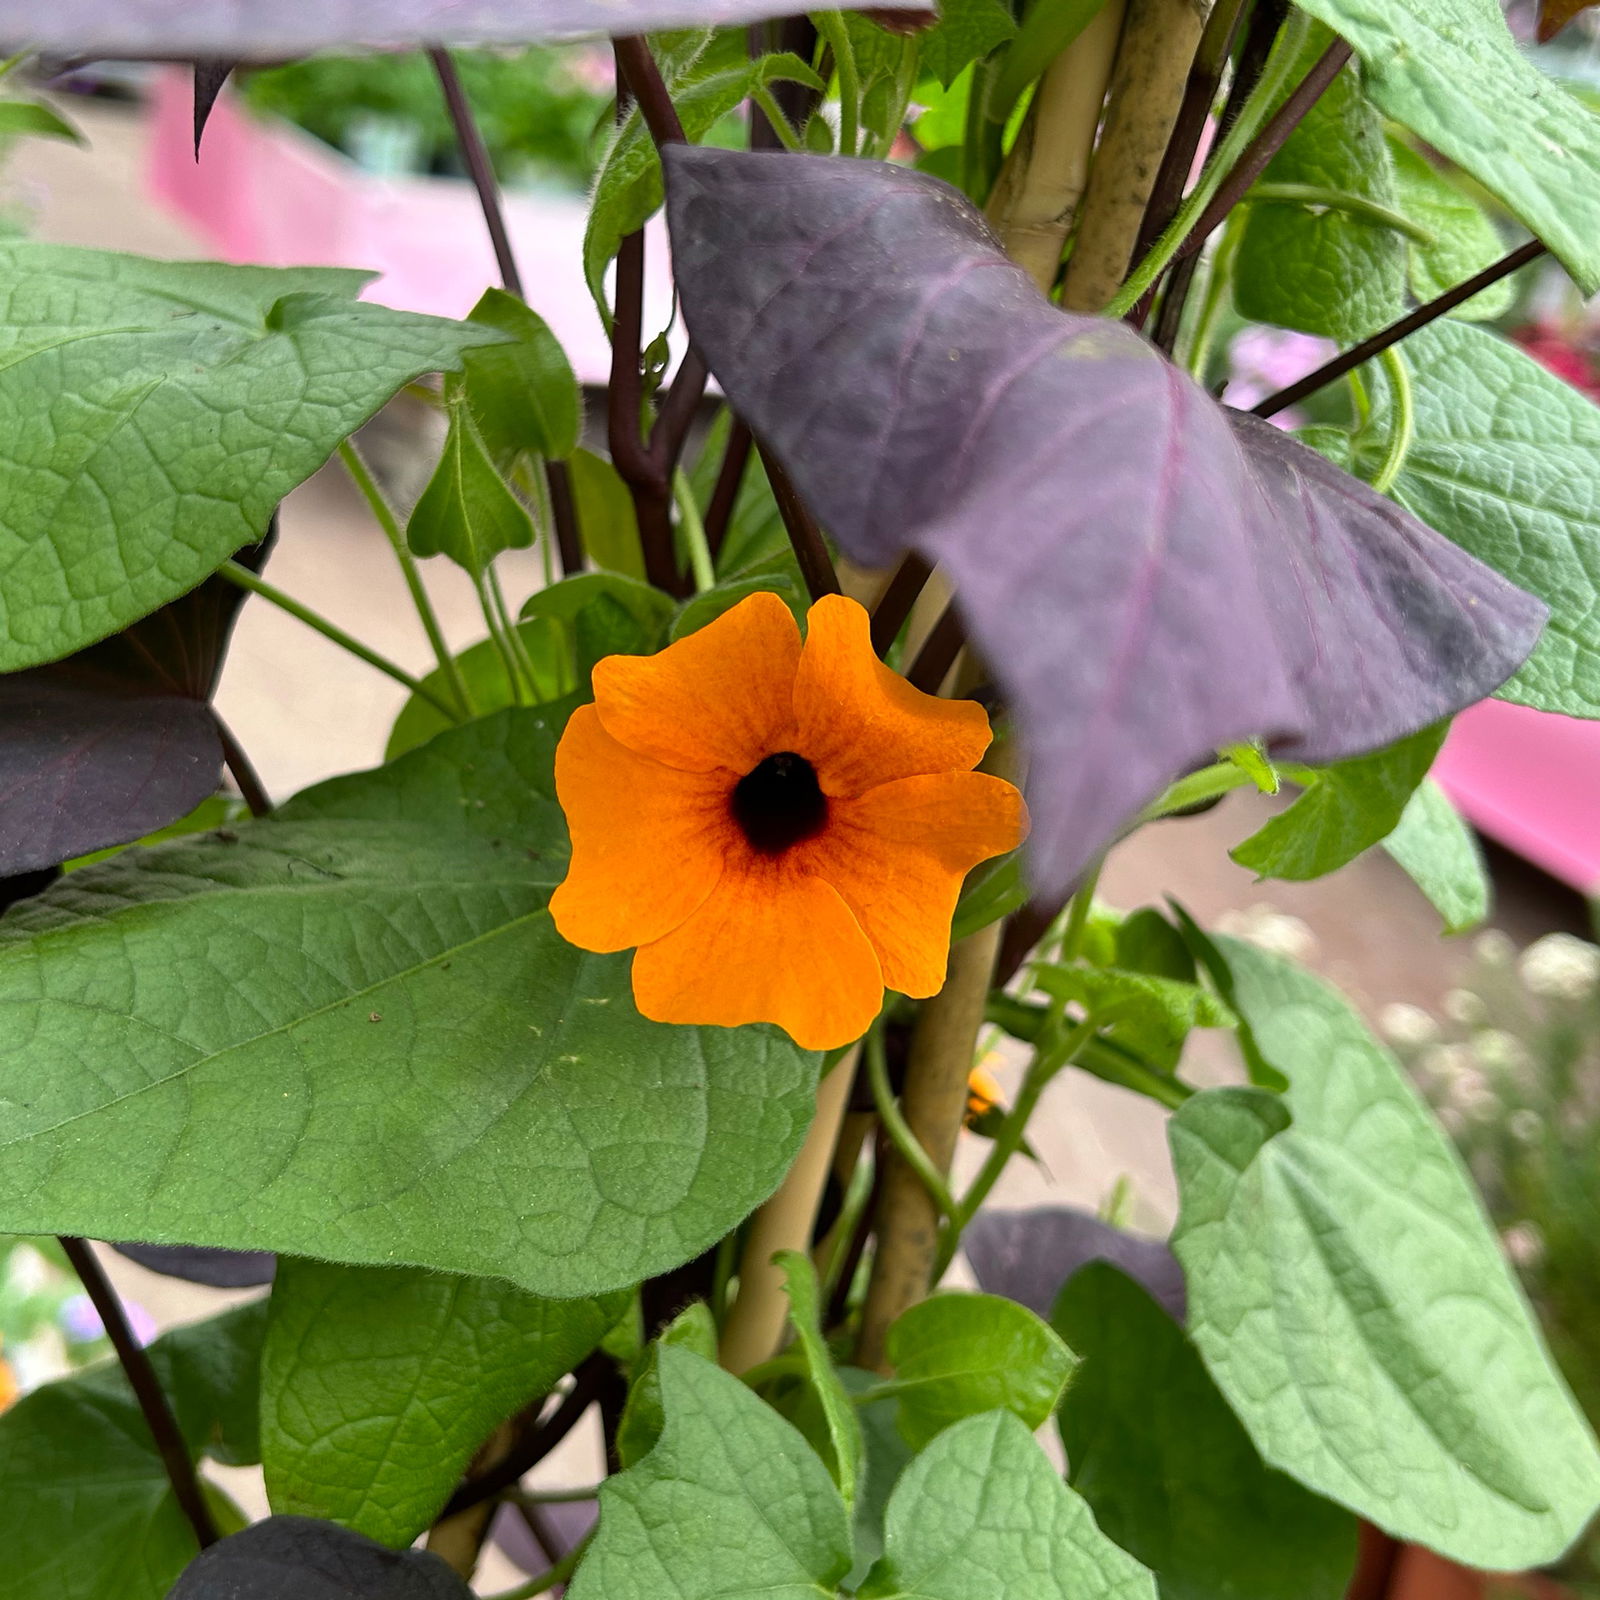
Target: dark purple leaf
118 740
249 30
300 1558
202 1263
210 73
1028 1255
1149 575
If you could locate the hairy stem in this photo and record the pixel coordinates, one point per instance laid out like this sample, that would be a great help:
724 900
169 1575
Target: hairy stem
934 1102
830 24
246 579
383 513
755 1322
147 1390
1036 196
904 1141
1042 1072
1199 95
1403 422
1235 146
1159 41
1398 330
637 67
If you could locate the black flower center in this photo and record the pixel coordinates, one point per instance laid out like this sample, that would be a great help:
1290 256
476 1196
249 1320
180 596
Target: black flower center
780 803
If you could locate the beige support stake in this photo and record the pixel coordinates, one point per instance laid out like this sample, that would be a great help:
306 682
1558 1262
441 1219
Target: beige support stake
1159 41
934 1101
1036 196
755 1324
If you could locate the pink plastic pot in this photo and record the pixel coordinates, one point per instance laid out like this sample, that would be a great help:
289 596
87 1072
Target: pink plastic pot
1531 781
268 193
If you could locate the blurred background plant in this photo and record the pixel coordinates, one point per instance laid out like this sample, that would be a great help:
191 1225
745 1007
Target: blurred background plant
47 1325
1512 1068
540 109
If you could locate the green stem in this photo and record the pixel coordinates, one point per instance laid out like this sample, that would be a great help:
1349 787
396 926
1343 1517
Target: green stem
547 1580
722 1275
11 63
831 25
555 1497
692 526
1356 205
763 96
514 634
1260 105
899 1131
1077 927
246 579
1404 428
1219 280
521 690
1207 784
386 519
1044 1067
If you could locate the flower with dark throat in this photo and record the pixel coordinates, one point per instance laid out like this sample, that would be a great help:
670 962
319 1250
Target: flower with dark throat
780 828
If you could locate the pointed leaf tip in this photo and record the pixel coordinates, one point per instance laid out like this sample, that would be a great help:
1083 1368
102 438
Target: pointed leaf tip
1150 575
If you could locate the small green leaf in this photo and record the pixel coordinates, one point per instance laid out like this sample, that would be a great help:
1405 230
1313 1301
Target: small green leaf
967 31
730 1502
86 1508
884 1456
467 511
1145 1013
602 614
1351 1300
707 607
1320 268
1451 71
606 515
958 1354
379 1383
694 1330
1465 241
1439 850
18 117
524 395
1345 809
705 87
483 670
158 413
1167 1469
981 1514
1001 890
1502 461
805 1311
351 1031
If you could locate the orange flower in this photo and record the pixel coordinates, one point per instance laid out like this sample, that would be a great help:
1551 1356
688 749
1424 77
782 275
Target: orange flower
782 829
9 1388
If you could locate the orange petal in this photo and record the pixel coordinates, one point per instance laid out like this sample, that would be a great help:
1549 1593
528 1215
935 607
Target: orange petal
722 697
860 724
648 841
897 855
769 945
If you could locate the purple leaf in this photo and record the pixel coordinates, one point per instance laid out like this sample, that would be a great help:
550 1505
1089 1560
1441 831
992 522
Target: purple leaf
300 1558
1028 1255
1149 575
117 740
204 1263
248 30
